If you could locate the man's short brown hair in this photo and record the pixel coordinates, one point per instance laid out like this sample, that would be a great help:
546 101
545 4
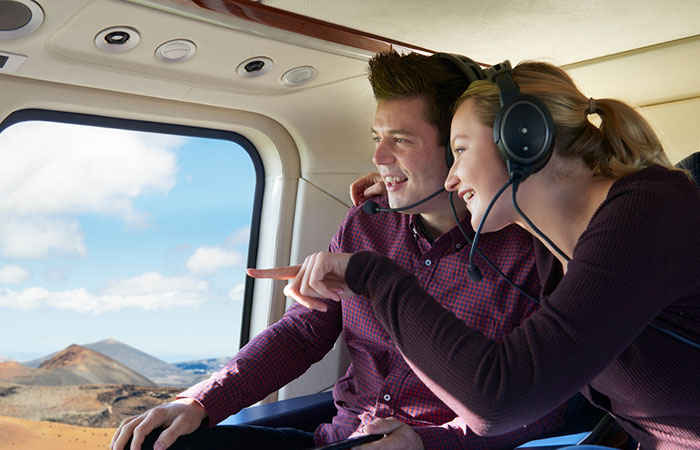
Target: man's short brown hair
440 82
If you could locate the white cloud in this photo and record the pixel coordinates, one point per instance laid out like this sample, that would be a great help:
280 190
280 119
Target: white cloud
207 260
50 172
151 291
13 274
154 282
49 169
238 237
37 237
236 292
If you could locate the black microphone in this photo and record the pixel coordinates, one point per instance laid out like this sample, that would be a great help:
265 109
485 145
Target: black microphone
472 270
371 207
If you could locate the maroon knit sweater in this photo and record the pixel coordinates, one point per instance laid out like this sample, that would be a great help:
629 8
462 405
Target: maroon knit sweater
637 263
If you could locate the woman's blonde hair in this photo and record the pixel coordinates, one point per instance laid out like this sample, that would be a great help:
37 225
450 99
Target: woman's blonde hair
624 143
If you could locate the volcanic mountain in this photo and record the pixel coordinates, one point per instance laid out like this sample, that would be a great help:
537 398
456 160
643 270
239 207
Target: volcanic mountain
156 370
75 365
13 369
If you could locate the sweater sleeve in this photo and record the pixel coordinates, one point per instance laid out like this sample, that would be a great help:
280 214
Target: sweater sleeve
456 435
638 254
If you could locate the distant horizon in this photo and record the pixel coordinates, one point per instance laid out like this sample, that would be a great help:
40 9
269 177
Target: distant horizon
32 357
135 236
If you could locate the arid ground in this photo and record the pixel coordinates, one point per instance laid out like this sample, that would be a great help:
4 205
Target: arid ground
21 434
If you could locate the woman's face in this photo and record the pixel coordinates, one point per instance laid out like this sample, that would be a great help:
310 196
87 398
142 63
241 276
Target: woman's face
478 171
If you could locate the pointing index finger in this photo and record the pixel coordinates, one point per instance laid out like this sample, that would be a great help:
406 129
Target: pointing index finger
276 273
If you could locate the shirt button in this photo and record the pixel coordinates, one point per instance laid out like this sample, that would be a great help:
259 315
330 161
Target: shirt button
387 397
458 246
428 262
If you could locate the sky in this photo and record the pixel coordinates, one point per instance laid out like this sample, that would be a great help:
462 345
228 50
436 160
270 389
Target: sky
121 234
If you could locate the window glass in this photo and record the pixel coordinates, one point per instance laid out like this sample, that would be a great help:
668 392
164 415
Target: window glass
122 266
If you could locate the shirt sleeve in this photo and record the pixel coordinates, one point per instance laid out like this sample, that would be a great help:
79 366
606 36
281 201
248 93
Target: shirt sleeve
276 356
628 266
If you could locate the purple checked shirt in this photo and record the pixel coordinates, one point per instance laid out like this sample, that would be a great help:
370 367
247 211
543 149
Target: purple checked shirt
379 383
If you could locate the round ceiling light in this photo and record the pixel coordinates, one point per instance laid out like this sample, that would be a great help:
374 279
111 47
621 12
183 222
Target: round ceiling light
254 67
19 18
299 75
117 39
176 50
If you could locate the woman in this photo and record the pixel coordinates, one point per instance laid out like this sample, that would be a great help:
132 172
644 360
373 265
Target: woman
627 260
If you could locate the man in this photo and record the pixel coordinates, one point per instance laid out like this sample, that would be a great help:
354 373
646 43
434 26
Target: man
415 95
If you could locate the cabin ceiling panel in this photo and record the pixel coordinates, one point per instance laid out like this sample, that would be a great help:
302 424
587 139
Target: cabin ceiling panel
605 45
63 50
219 50
560 31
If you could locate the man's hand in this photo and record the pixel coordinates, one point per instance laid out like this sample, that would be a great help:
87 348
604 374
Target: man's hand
365 187
399 436
321 276
180 417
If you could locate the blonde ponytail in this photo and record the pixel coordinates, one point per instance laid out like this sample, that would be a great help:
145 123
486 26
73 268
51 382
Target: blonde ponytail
628 140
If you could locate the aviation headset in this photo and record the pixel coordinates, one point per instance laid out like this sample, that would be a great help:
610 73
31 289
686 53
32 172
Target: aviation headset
523 129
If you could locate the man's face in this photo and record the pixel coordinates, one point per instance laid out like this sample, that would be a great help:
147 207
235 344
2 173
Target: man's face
407 153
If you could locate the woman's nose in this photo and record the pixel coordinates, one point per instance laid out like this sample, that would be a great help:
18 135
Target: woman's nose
452 180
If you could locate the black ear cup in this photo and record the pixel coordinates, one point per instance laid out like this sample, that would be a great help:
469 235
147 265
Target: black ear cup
523 129
523 133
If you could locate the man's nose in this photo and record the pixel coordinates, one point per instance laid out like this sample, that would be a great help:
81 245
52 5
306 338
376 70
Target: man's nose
383 153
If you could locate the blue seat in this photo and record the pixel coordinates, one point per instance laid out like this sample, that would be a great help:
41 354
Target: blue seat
303 413
587 447
584 424
556 442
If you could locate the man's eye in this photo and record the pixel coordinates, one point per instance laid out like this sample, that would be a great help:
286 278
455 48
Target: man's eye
376 139
399 140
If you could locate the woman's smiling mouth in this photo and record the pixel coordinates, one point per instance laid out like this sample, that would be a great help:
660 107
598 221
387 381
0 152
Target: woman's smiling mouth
468 195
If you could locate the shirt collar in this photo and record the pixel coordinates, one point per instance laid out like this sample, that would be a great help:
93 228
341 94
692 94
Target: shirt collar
454 236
